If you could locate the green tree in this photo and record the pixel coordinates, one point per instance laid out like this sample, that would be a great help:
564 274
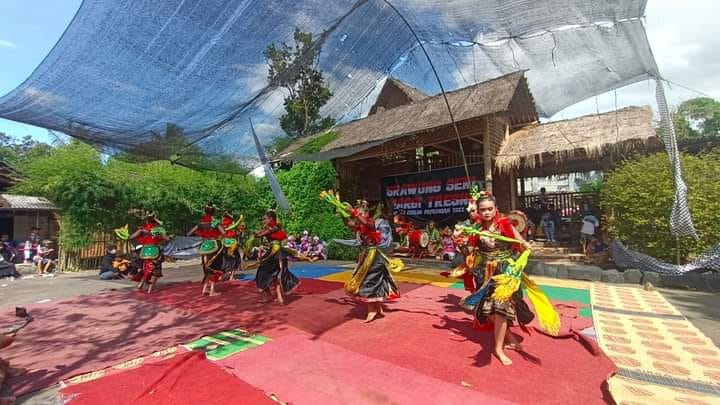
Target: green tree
637 200
302 185
292 67
697 118
73 177
16 152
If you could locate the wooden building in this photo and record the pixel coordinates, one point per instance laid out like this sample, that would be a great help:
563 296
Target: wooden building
596 142
409 133
20 213
406 153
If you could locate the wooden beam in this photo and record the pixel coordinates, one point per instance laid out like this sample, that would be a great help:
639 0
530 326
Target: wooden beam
445 148
487 156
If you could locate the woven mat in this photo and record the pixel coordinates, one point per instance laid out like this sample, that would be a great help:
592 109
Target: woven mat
660 355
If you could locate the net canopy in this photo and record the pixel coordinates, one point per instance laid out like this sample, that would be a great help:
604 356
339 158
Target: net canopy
179 79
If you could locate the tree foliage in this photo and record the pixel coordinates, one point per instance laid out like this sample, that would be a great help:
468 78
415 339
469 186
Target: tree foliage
17 152
97 194
637 200
292 67
697 118
302 185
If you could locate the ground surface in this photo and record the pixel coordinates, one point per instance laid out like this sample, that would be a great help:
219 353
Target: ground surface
423 306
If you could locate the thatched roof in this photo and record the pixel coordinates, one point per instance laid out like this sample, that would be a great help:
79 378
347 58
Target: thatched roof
491 97
394 94
590 136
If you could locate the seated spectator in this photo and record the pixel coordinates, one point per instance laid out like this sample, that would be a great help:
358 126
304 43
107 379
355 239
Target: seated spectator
44 257
108 271
448 251
317 249
304 246
597 251
7 267
10 252
292 243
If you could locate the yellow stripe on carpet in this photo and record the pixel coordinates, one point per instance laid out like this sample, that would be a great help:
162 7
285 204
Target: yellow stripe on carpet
654 346
557 282
416 276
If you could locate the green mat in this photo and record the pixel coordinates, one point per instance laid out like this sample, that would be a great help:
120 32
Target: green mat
559 294
227 343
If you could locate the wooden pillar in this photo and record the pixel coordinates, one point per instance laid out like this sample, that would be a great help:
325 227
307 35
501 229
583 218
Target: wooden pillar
487 155
513 191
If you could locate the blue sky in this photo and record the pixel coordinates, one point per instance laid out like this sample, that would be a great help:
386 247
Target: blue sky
682 34
28 31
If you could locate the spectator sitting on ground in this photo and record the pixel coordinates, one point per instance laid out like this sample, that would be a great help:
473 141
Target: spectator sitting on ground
108 271
597 251
43 259
304 247
317 249
448 251
292 243
7 267
10 250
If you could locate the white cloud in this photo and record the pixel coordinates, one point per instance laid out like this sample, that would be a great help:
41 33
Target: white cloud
42 97
683 37
4 43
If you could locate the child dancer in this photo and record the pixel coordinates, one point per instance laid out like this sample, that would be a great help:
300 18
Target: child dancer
273 273
501 257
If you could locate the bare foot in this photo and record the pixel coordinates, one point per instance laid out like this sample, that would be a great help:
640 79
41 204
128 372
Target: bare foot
213 294
370 317
513 346
140 286
505 360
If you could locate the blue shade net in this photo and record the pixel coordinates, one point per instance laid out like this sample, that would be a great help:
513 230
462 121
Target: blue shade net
179 79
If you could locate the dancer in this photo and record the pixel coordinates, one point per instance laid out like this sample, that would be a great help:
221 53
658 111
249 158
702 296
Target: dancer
210 230
371 282
502 255
273 272
150 236
234 231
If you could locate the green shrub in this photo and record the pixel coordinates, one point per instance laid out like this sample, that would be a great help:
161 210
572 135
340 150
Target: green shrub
318 143
302 185
637 200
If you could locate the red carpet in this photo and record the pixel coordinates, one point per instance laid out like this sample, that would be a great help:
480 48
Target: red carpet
90 333
315 307
423 348
428 333
187 378
307 371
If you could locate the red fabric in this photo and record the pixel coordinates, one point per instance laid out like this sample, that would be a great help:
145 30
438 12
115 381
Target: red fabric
469 282
148 238
187 378
209 233
227 221
93 332
279 234
551 371
306 370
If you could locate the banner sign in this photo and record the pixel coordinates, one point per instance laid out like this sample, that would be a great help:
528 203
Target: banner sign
439 195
